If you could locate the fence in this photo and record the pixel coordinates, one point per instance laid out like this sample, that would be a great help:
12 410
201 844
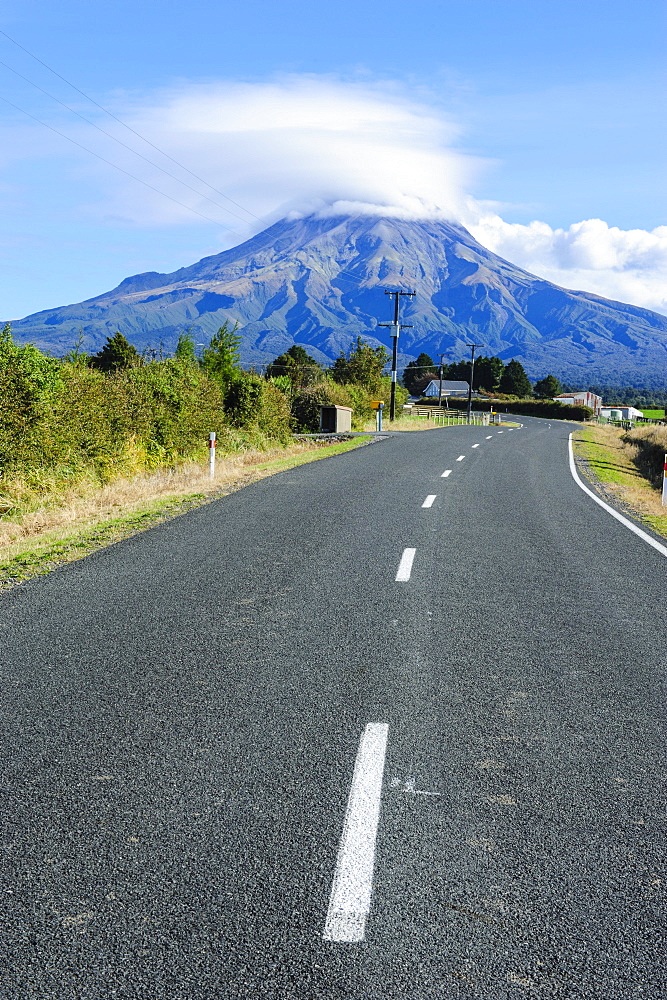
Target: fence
448 417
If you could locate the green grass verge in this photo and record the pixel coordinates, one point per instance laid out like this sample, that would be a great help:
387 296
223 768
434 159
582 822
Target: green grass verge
42 553
611 465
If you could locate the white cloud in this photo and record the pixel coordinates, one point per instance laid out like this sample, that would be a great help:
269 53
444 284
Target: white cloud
297 142
304 144
627 265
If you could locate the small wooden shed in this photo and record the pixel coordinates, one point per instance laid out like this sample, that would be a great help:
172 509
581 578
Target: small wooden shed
335 419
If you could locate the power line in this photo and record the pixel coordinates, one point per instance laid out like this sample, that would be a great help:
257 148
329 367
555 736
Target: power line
110 135
115 165
341 272
128 127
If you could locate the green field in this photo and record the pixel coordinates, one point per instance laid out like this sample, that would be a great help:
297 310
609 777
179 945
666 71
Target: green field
654 414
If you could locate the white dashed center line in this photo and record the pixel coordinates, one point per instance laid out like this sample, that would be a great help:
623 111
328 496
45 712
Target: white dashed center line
460 458
446 473
350 899
428 502
405 565
500 432
489 436
475 446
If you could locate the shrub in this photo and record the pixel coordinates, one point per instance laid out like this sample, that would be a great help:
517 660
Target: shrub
306 404
650 442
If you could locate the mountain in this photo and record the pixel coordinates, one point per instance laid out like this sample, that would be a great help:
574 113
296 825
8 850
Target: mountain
319 281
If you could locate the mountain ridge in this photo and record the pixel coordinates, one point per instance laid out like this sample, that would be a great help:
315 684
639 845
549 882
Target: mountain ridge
319 282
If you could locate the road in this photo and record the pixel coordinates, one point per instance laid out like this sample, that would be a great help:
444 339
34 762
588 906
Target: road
210 726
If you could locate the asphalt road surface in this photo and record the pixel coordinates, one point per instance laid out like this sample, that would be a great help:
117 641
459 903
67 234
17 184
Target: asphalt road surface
241 759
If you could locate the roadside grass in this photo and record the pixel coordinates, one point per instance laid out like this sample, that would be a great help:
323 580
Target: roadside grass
86 520
612 461
654 414
403 423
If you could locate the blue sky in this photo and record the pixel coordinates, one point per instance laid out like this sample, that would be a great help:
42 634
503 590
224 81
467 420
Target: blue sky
531 117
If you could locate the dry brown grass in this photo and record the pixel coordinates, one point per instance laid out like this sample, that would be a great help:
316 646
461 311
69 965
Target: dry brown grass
647 443
617 459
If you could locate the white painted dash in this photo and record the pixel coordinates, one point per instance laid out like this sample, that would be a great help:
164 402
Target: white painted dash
500 432
350 900
460 458
446 473
405 565
428 502
489 436
475 446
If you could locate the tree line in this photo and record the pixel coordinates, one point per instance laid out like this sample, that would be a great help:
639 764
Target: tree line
490 375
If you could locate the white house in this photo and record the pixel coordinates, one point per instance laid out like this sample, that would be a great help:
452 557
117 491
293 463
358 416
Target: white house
582 398
459 390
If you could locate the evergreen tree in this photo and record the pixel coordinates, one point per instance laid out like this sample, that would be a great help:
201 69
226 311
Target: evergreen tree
185 348
514 381
297 365
547 387
116 354
362 366
416 370
488 373
221 357
458 371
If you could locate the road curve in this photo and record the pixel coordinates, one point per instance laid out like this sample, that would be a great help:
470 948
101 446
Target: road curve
234 739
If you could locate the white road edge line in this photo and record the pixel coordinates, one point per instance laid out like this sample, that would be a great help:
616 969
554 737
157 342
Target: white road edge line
610 510
405 566
428 502
460 458
350 900
446 473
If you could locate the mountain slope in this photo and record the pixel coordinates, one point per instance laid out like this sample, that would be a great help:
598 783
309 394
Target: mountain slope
320 282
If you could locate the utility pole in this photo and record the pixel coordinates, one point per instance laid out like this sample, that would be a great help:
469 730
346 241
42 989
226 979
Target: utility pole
472 371
396 326
442 360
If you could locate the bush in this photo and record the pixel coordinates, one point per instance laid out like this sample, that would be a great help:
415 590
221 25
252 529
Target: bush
650 442
306 404
254 403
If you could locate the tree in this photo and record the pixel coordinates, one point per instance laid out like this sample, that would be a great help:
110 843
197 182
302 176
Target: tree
424 365
362 366
221 357
116 354
297 365
488 373
458 371
514 381
185 348
547 387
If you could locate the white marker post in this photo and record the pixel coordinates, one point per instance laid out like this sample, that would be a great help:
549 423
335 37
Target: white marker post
211 454
664 483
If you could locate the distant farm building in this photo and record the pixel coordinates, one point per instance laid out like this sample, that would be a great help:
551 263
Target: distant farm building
620 413
582 398
459 390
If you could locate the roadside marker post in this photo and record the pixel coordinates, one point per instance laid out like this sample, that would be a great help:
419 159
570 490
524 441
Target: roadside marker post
211 454
664 483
